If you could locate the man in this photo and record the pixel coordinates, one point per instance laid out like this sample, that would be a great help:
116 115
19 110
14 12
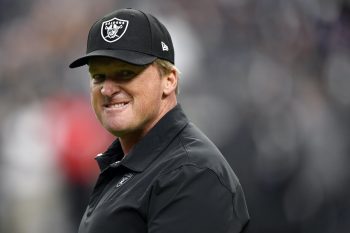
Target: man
161 174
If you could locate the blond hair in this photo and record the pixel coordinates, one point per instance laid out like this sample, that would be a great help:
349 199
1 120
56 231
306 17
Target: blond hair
165 67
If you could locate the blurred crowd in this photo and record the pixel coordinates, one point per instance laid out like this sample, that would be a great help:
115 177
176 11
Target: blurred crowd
267 80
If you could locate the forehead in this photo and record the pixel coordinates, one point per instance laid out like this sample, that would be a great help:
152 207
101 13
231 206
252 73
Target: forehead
97 64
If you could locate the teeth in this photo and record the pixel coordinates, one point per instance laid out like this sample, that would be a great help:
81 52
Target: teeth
119 105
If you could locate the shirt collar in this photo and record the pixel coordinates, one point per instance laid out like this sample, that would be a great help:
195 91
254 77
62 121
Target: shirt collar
112 154
150 146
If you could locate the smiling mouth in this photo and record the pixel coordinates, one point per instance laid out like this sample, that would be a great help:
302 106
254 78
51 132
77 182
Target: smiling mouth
116 105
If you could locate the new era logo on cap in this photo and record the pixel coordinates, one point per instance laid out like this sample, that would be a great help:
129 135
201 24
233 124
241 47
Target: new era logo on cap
129 35
164 46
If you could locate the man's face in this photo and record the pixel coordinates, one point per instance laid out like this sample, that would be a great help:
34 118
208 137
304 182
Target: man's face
126 98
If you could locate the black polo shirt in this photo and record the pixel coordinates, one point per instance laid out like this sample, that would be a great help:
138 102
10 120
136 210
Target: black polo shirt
173 180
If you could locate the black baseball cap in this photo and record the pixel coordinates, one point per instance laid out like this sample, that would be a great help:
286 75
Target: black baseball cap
129 35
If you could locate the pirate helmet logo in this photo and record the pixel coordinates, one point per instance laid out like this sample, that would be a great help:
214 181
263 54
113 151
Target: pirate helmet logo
113 29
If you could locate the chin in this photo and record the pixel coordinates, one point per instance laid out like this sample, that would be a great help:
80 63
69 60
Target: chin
116 129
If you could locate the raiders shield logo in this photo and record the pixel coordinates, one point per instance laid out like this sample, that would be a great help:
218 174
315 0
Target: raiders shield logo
113 29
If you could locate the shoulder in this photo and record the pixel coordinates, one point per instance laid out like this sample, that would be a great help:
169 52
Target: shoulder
195 153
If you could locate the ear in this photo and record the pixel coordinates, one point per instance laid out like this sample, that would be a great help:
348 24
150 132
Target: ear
170 83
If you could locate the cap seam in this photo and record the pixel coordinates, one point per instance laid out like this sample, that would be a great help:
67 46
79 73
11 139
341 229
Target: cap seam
150 29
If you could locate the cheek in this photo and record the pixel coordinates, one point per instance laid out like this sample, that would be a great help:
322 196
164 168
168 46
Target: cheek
151 94
147 99
153 98
94 98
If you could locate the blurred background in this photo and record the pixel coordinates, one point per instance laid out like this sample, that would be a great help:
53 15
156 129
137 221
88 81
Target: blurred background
267 80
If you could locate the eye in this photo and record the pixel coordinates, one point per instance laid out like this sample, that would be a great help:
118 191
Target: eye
125 74
98 78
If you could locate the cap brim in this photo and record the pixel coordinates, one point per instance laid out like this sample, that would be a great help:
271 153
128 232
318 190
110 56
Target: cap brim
132 57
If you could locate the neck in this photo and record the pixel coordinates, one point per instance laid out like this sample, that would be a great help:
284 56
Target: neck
128 141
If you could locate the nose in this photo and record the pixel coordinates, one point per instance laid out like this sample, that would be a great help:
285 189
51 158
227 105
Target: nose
109 88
